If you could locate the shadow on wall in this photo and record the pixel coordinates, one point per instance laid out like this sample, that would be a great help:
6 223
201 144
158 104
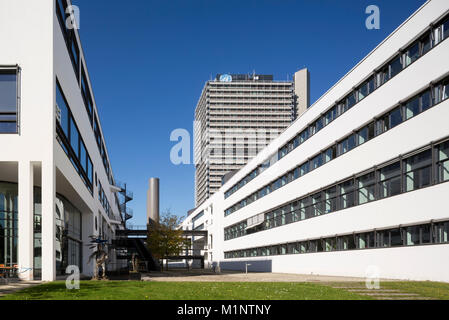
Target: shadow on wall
253 265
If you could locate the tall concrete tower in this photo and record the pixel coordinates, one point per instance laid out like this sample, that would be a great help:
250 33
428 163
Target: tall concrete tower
236 117
153 201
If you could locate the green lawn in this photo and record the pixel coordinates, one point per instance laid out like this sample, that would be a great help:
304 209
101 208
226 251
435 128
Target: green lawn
436 290
139 290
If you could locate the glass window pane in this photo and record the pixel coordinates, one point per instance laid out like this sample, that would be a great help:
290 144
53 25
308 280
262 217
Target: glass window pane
64 111
445 29
390 177
347 196
395 67
8 92
396 237
366 186
418 171
316 162
350 101
8 127
412 235
426 100
363 91
443 161
83 156
330 200
412 54
412 108
445 93
425 44
395 117
74 137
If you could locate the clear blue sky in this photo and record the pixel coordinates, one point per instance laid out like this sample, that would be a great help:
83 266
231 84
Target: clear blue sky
149 60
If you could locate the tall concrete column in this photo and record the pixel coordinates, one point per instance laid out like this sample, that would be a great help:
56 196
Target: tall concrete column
26 220
48 222
153 201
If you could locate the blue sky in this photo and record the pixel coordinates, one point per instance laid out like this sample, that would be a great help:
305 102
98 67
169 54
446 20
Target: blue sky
148 62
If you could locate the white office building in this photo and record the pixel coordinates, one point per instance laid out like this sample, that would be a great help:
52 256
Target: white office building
56 183
358 184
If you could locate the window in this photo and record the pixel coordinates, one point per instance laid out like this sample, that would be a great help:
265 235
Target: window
86 95
395 118
304 136
395 67
316 162
63 111
445 90
390 180
395 237
317 205
347 195
445 29
365 240
412 108
426 100
418 171
330 116
74 137
346 243
83 156
350 100
304 169
90 170
347 145
441 232
412 235
330 204
366 185
411 55
329 154
363 91
425 44
293 248
8 101
382 76
365 134
443 162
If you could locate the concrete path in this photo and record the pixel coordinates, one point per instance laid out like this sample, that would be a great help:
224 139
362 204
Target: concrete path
11 286
378 294
209 276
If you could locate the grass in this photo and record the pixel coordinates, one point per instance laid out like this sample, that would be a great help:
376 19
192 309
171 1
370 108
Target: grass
425 289
139 290
436 290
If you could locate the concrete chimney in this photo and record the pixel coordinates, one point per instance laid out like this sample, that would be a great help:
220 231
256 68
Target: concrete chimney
153 201
302 91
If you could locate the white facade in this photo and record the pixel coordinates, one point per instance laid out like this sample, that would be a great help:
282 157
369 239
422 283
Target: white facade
391 211
34 45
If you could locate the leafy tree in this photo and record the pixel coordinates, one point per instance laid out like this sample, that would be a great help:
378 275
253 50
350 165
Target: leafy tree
164 237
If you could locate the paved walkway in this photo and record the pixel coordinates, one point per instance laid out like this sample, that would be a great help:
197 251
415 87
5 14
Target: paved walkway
12 286
378 294
209 276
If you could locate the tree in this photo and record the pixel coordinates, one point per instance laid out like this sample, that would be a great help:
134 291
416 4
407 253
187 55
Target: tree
165 239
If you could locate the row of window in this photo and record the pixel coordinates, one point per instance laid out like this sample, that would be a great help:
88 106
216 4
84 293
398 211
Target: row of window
402 60
71 141
423 234
62 12
8 100
423 168
63 15
416 105
104 201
